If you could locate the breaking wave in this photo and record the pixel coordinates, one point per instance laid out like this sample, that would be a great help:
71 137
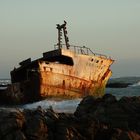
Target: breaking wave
66 106
136 84
69 106
5 81
58 106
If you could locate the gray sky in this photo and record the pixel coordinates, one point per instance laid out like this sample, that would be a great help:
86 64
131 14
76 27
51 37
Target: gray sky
111 27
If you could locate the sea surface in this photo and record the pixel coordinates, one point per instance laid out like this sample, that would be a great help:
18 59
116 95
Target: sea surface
70 105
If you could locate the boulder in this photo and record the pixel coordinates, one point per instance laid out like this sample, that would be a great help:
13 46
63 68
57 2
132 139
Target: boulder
94 119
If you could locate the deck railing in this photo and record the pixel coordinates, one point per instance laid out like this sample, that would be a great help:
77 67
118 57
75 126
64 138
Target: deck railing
81 50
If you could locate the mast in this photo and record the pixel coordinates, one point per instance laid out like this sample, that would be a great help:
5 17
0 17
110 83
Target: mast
60 27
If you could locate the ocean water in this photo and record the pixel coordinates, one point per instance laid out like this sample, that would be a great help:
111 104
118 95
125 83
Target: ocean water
131 90
70 105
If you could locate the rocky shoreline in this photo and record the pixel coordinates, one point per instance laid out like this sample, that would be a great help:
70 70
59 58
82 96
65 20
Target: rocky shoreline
94 119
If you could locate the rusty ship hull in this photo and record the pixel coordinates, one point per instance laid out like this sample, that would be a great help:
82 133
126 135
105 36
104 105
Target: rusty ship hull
65 72
87 76
76 75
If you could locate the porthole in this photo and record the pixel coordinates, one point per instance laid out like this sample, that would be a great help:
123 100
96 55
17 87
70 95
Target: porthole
46 62
97 61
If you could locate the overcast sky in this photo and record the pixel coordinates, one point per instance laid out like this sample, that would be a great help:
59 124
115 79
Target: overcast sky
111 27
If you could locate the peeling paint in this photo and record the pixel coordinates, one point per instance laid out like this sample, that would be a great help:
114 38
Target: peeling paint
88 74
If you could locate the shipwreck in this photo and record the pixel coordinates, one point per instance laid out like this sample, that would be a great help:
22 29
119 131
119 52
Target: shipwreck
68 71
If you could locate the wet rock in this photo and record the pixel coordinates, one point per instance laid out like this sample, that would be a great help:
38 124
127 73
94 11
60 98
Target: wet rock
14 135
35 127
51 116
94 119
86 105
123 114
108 98
11 124
64 132
119 134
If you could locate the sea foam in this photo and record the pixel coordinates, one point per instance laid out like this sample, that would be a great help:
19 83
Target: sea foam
58 106
135 84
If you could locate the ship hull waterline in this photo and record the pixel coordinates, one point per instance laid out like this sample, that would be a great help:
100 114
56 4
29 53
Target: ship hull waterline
41 86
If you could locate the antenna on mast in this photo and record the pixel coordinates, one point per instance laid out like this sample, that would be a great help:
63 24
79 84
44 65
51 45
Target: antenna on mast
60 27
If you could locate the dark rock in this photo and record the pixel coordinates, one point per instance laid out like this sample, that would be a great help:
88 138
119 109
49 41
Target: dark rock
65 132
15 135
119 134
11 124
35 127
123 114
94 119
118 85
88 104
108 98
